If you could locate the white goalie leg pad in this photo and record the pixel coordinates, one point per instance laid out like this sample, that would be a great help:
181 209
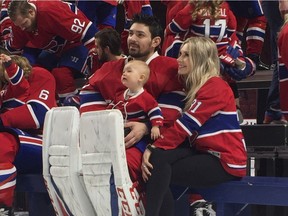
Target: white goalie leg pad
128 197
95 141
62 163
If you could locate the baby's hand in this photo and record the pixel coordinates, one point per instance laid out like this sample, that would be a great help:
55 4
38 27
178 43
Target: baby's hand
155 133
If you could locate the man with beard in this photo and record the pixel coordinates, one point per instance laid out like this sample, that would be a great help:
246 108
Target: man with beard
62 34
143 41
108 45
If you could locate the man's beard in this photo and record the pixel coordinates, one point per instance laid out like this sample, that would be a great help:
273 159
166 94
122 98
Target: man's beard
103 58
139 54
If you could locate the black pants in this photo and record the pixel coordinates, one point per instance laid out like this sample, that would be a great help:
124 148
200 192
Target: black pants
184 167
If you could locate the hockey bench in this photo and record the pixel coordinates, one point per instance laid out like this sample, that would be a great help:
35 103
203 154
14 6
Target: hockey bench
249 190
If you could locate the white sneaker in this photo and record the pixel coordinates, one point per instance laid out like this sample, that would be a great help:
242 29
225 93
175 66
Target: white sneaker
201 208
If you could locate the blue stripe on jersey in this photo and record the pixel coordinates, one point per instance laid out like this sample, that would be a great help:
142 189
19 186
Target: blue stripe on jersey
230 32
189 123
172 99
4 14
30 148
255 32
73 8
174 27
39 111
127 24
17 76
283 72
89 97
155 113
216 123
12 103
220 122
140 115
12 50
146 9
4 177
214 31
91 31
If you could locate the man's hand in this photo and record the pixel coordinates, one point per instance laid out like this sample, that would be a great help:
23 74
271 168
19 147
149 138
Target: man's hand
138 130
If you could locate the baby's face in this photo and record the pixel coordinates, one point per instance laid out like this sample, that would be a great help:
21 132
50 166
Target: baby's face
130 76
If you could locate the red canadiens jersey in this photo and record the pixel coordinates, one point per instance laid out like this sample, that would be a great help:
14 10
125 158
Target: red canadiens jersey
41 98
171 40
5 21
220 30
172 8
211 124
134 7
60 26
163 84
139 107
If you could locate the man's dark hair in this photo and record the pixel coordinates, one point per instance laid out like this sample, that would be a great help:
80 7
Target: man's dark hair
109 37
152 22
18 7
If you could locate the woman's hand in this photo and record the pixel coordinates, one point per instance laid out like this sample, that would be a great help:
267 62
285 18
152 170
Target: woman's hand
4 58
146 165
138 130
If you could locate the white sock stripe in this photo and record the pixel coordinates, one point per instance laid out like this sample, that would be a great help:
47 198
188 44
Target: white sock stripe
8 184
8 171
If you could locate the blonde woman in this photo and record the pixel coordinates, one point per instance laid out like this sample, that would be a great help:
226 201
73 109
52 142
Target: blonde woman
205 146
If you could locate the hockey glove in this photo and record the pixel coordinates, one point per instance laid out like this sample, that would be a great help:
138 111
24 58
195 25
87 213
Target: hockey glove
229 57
239 74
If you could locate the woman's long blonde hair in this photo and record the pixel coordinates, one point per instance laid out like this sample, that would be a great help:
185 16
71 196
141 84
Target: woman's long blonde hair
22 62
201 7
204 61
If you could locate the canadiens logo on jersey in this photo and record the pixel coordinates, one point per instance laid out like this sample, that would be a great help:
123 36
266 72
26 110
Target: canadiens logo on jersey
55 45
3 91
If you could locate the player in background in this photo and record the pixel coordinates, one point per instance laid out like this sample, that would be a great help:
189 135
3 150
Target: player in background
102 13
5 22
215 20
64 45
275 21
251 22
21 122
283 69
130 9
107 48
135 103
172 42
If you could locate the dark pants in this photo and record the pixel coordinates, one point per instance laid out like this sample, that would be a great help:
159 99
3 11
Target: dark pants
272 14
184 167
